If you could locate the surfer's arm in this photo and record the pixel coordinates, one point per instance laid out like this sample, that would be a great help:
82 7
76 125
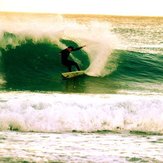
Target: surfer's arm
79 48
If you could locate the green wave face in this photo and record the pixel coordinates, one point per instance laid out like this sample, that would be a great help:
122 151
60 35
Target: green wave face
36 66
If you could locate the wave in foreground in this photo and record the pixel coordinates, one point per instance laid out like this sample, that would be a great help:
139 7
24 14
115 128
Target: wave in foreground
83 113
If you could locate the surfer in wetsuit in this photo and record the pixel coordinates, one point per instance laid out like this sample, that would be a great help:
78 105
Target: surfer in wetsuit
64 57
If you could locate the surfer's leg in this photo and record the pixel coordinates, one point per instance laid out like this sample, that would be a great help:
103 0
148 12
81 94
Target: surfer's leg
68 64
76 65
69 68
72 63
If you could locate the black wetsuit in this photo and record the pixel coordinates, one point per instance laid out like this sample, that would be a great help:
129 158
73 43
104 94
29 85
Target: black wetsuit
68 63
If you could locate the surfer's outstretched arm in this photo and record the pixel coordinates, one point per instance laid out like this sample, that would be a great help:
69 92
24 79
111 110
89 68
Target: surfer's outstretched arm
79 48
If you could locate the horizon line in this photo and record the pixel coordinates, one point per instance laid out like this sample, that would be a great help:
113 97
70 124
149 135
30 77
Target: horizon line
92 14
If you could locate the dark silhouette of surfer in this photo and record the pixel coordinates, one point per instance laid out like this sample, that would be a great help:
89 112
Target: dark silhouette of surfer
64 57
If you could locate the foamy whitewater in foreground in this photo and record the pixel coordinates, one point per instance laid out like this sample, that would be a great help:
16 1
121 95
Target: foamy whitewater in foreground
76 128
73 128
80 148
85 113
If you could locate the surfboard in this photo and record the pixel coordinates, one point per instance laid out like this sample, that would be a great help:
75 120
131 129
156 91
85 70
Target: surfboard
73 74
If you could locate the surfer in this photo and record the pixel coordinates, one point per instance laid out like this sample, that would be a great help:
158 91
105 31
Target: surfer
64 57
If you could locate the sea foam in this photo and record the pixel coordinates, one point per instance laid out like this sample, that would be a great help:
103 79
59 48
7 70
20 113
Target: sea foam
86 113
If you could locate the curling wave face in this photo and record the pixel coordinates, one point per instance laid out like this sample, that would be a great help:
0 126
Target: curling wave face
30 59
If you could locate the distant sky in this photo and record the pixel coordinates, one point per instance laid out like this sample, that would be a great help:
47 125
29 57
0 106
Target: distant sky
109 7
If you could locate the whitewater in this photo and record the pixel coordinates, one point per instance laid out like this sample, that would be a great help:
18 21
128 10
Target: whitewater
82 113
112 114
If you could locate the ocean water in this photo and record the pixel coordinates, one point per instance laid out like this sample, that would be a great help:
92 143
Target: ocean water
114 113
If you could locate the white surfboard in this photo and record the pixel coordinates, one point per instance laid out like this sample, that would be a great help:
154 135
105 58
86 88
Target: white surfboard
72 74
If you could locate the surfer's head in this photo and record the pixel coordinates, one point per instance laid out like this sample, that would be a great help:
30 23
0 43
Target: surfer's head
70 48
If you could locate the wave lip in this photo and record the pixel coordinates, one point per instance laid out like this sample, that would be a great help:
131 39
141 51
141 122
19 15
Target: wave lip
85 113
